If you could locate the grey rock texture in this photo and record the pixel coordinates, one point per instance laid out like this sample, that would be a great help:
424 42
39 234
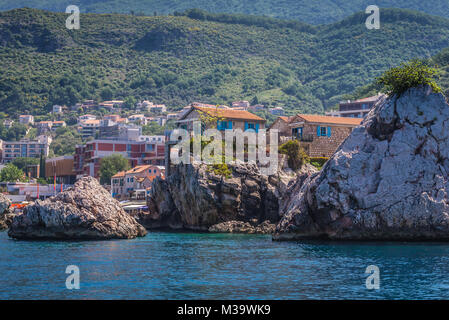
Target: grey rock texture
86 211
387 181
194 197
252 227
5 203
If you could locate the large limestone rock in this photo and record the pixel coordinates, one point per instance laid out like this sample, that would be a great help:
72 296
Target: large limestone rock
387 181
194 197
86 211
5 203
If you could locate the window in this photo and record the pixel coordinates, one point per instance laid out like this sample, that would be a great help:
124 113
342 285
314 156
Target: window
323 131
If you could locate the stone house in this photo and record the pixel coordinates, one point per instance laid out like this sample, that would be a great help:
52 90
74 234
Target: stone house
320 136
221 118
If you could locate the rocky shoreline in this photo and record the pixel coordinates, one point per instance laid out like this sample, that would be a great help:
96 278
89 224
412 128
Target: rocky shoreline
194 197
388 181
87 212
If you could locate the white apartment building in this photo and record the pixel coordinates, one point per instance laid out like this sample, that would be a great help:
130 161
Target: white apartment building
26 119
26 148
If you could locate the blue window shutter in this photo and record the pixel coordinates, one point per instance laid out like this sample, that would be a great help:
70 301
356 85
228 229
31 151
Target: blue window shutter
300 133
218 125
246 125
257 127
318 131
229 124
328 131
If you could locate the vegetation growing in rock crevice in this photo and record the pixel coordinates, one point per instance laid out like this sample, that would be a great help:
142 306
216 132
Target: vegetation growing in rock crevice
408 75
296 156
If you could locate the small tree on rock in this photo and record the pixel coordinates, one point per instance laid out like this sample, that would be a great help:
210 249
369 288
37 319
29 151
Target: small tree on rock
408 75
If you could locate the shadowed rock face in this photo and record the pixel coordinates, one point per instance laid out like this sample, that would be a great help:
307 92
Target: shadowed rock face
193 197
387 181
4 206
86 211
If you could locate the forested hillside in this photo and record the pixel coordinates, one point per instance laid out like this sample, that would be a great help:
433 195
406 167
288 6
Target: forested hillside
315 11
177 59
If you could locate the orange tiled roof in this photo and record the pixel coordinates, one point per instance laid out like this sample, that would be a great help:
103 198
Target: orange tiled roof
91 122
373 98
138 169
121 174
229 113
333 120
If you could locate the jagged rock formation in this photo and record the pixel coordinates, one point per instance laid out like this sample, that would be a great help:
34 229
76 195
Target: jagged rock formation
85 211
5 203
194 197
388 180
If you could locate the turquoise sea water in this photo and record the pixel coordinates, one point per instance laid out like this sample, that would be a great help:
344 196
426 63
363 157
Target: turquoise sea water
221 266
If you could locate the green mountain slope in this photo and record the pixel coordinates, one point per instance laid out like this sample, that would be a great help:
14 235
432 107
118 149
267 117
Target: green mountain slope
176 60
310 11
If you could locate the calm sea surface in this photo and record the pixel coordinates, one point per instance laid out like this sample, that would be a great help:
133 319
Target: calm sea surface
221 266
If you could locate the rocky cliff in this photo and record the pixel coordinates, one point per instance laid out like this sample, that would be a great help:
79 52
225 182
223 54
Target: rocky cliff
195 197
387 181
5 203
85 211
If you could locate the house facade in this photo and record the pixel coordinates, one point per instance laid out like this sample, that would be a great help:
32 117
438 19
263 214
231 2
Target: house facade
124 183
320 136
221 118
26 119
26 148
87 159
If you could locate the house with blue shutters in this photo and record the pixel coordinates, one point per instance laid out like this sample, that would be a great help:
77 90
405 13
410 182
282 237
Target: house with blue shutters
320 136
222 118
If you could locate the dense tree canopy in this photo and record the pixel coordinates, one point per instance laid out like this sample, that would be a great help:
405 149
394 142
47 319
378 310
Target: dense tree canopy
111 165
315 12
10 173
213 58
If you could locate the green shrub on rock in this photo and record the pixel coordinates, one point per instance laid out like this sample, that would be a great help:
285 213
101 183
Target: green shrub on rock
296 156
408 75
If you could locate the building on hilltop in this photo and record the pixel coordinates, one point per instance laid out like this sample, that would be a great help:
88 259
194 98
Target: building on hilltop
58 124
26 119
7 123
355 109
88 128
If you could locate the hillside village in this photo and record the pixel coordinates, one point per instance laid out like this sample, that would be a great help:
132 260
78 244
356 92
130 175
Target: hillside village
141 137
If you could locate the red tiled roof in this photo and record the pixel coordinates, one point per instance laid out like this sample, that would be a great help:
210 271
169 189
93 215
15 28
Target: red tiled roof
333 120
